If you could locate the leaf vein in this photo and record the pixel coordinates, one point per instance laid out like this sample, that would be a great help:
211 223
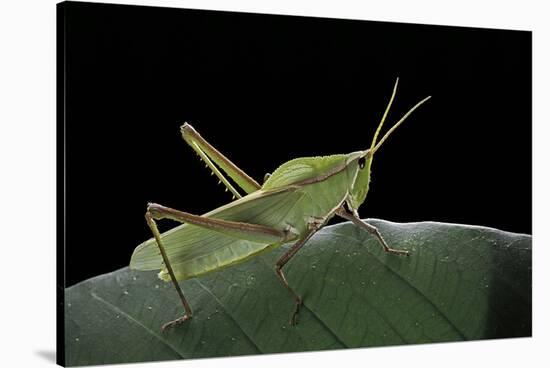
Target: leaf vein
132 319
229 314
414 288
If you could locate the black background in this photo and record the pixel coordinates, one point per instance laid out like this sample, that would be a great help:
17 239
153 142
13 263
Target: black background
265 89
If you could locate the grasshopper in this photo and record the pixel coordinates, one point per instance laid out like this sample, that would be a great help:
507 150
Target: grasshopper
294 202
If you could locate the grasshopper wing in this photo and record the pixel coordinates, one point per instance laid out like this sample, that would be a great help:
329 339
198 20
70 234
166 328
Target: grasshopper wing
193 250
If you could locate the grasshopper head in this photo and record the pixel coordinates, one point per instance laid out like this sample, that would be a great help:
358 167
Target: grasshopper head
360 187
362 161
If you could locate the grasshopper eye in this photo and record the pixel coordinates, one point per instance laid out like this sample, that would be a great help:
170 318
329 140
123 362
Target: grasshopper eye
362 162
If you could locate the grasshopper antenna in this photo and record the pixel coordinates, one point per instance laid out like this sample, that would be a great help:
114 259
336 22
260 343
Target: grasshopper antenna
373 150
385 114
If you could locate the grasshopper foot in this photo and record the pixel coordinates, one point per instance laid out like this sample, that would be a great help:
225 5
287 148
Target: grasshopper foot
175 322
294 318
398 251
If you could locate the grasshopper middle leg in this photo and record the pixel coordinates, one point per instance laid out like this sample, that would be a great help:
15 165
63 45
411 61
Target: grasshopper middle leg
279 271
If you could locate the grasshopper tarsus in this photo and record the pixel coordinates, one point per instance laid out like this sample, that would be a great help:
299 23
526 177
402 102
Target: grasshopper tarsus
294 318
175 322
398 252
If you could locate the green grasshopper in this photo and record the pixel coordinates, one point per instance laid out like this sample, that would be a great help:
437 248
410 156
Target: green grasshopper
294 202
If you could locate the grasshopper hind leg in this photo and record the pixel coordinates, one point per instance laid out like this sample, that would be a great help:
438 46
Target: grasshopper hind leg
187 308
241 230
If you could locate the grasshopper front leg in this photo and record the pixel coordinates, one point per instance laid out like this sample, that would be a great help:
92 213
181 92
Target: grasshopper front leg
342 212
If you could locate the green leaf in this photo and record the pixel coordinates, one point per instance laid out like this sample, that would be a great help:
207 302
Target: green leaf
460 283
